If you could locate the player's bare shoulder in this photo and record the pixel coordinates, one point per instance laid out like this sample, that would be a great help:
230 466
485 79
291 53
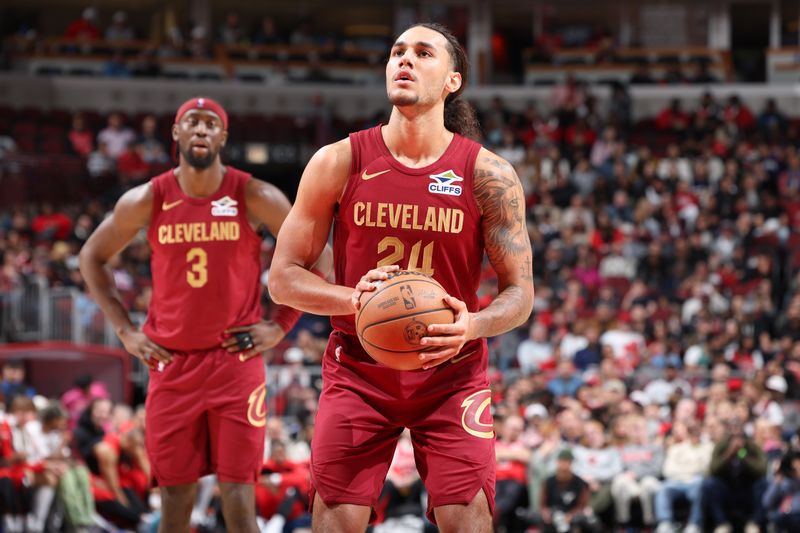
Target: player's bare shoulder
501 201
326 174
135 207
337 154
263 193
335 158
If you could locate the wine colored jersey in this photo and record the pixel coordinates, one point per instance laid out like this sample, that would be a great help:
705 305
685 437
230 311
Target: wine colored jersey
423 219
205 264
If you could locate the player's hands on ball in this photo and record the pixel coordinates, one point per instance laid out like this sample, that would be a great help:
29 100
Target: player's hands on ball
255 339
446 340
140 346
367 283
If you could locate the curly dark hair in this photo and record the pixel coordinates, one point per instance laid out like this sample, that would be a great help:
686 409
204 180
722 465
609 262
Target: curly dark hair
459 115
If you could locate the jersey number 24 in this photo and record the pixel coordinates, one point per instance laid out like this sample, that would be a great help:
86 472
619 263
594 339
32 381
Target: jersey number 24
397 251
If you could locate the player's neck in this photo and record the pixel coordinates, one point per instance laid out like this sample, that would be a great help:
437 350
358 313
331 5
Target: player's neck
199 183
416 140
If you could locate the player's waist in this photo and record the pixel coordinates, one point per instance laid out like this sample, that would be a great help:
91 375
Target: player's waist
184 339
352 348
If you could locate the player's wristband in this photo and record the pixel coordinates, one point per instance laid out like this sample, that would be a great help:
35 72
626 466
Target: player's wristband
286 317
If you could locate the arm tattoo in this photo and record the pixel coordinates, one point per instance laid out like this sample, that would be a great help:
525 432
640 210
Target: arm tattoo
500 199
499 196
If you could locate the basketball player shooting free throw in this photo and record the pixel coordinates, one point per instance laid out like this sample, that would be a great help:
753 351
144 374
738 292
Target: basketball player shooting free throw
415 193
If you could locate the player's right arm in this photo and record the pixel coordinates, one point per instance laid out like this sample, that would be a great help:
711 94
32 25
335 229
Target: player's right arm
304 234
131 214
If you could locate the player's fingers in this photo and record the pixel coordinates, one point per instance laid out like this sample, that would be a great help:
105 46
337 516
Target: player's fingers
447 329
158 352
145 358
152 361
230 341
388 268
244 356
433 354
365 286
378 274
455 303
430 363
444 340
239 329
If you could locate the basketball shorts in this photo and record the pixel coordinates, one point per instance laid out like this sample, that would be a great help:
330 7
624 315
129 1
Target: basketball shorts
206 413
364 408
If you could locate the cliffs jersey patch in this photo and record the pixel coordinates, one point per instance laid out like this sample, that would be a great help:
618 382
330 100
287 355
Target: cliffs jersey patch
224 207
445 183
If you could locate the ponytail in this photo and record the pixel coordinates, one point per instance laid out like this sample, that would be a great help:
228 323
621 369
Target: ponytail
460 117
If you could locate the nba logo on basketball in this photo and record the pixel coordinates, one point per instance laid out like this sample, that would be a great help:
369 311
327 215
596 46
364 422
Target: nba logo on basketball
444 183
408 297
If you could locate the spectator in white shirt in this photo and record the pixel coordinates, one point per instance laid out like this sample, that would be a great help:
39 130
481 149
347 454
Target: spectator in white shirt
534 351
116 136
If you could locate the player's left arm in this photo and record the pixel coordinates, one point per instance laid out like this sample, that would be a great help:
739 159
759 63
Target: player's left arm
268 206
498 193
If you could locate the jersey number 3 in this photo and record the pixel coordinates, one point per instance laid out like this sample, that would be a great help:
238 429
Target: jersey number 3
398 252
197 275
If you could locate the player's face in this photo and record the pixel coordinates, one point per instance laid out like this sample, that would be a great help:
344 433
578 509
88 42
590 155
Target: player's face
419 70
200 137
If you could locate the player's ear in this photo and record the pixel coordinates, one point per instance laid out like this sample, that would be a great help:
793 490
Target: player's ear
224 137
175 132
453 82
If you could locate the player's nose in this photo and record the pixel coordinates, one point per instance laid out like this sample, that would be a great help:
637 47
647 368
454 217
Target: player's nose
406 59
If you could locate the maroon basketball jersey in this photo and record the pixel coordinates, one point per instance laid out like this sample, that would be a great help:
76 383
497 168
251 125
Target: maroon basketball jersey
205 264
423 219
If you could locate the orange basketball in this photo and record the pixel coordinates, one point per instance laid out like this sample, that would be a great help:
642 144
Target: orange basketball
395 316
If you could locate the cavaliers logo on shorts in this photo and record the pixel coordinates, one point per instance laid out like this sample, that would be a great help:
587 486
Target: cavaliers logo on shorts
476 412
257 407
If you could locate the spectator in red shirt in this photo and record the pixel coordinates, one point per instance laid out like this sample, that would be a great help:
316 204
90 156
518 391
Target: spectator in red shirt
605 234
739 114
131 166
512 467
84 28
281 492
51 225
673 118
112 460
81 139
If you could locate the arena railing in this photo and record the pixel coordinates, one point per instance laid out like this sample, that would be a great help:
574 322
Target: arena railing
621 63
264 63
350 102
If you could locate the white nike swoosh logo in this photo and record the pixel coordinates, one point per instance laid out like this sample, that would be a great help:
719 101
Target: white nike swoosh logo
457 359
166 207
366 176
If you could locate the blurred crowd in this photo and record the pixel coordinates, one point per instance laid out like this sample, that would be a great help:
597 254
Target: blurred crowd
135 45
655 385
135 48
78 463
